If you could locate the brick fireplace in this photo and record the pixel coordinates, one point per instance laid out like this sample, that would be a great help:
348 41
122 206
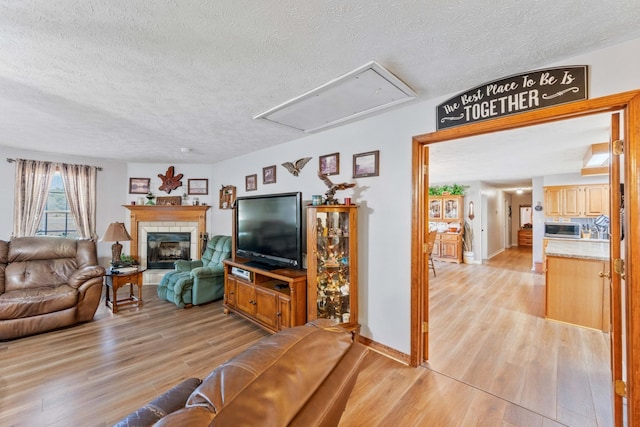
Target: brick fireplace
165 219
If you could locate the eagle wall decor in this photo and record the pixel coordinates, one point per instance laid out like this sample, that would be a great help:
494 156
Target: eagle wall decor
333 188
169 181
296 167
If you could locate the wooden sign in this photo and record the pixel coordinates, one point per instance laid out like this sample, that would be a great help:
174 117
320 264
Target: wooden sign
515 94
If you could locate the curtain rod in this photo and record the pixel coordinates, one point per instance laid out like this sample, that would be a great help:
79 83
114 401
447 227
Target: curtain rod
10 160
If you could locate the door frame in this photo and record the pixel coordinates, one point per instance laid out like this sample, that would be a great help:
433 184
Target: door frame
629 103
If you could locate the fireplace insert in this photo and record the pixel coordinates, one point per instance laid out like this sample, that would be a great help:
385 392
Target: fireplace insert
164 248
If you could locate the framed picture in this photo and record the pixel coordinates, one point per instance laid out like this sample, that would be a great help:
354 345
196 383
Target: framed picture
139 185
330 164
251 182
269 175
366 164
198 186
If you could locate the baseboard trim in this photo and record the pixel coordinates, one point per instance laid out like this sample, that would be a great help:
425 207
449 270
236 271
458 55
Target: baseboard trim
538 267
384 350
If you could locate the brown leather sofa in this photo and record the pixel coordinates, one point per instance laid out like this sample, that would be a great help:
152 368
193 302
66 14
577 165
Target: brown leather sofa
47 283
301 376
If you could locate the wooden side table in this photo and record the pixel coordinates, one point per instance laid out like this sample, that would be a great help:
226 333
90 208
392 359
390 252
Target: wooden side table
116 281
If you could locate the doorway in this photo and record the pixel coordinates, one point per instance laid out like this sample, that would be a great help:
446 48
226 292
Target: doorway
629 103
487 326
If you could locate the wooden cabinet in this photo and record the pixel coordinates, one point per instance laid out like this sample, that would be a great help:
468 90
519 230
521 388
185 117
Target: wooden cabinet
573 201
596 200
553 201
332 264
227 196
575 293
448 247
449 209
273 299
576 201
447 214
525 237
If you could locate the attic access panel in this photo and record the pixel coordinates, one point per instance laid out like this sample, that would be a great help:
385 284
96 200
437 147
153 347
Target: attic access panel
362 91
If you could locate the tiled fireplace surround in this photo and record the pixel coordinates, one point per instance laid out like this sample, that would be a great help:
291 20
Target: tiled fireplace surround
153 276
150 219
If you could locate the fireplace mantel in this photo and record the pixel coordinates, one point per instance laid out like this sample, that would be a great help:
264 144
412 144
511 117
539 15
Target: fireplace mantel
177 213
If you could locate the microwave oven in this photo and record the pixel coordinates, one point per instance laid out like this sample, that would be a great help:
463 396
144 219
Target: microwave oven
567 230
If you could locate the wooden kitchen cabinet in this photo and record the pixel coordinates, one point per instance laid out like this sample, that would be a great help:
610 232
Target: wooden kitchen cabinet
573 201
596 200
553 201
273 299
575 293
576 201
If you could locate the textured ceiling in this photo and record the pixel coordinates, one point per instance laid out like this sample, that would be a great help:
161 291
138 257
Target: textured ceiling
148 77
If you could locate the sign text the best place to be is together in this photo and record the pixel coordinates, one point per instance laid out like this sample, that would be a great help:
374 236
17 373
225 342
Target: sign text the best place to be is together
515 94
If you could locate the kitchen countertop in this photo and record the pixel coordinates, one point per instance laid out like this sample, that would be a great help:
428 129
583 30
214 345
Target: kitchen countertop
593 249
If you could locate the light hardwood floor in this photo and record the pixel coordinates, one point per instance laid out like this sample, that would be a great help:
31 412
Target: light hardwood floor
487 329
494 360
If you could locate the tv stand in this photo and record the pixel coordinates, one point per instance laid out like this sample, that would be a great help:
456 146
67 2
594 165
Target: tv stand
273 298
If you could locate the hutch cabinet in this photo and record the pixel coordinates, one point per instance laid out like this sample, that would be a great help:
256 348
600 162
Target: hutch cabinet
446 213
332 264
272 299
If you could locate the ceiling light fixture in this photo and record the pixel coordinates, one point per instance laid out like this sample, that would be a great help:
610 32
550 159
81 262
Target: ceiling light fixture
362 91
519 191
596 160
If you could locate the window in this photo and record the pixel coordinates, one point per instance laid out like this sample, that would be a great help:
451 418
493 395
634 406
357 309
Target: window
57 219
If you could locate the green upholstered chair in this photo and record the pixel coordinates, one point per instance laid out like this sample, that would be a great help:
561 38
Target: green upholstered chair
200 281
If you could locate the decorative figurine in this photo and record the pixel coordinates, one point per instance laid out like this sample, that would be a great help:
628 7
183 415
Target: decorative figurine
150 197
333 188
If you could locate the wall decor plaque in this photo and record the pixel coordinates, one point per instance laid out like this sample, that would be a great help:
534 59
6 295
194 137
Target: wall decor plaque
515 94
169 201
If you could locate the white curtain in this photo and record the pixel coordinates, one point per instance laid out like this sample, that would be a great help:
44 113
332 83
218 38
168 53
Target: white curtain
33 179
80 188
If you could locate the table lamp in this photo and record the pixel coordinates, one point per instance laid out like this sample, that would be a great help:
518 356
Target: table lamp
116 232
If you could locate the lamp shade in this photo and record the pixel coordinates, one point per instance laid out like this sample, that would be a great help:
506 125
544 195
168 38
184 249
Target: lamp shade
115 232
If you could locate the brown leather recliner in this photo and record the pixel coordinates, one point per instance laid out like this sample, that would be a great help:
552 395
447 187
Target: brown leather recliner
47 283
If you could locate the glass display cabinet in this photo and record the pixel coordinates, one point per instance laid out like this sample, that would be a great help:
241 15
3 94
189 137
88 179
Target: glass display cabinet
332 267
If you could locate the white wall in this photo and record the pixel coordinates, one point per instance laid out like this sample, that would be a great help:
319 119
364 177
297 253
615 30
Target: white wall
385 215
111 180
385 221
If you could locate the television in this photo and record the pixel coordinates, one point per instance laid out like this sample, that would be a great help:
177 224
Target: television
268 230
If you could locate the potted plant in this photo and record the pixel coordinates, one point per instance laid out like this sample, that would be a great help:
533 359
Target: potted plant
447 190
467 243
